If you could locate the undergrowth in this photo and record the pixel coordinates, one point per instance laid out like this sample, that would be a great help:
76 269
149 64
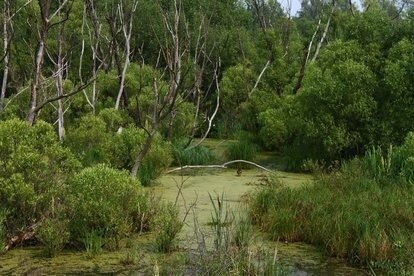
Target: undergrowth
363 212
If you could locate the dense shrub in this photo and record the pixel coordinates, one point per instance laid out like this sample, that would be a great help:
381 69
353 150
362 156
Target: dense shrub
95 140
127 146
105 200
90 140
34 168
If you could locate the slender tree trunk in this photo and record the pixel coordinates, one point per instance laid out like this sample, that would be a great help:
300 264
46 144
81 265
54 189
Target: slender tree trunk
37 74
123 74
145 149
44 6
6 14
127 30
60 66
325 32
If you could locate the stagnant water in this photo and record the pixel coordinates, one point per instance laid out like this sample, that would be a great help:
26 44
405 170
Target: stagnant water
303 259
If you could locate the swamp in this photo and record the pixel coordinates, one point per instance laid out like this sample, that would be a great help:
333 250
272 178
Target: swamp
207 137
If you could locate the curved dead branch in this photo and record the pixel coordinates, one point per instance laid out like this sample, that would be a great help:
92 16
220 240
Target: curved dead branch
222 166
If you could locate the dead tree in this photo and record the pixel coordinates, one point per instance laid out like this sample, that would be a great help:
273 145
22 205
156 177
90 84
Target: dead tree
173 51
126 23
325 32
94 29
60 67
46 23
309 48
258 7
7 24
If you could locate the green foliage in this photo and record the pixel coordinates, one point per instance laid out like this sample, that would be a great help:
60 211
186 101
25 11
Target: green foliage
34 168
53 234
103 200
93 242
335 110
3 230
398 99
155 162
274 131
90 140
404 159
236 85
95 141
167 225
242 149
199 155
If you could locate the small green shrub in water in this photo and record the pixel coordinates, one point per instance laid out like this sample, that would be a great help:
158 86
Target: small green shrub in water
221 220
53 234
232 253
167 225
131 257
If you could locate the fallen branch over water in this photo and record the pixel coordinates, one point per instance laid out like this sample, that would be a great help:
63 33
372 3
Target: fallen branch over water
222 166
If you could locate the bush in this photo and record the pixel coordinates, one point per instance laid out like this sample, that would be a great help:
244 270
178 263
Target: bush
34 168
95 141
168 225
126 147
53 234
93 243
90 140
105 200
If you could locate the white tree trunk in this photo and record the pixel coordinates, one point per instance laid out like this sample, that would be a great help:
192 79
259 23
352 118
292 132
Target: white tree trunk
6 13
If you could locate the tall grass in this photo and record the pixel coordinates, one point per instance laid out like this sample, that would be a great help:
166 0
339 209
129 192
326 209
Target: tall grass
349 214
221 220
232 253
243 149
94 243
196 156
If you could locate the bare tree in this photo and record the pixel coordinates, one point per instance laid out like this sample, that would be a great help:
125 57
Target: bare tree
258 7
173 51
7 25
60 68
126 23
95 29
325 32
46 22
308 51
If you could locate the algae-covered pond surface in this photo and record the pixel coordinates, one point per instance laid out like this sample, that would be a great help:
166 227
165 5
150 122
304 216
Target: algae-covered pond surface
303 259
195 203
